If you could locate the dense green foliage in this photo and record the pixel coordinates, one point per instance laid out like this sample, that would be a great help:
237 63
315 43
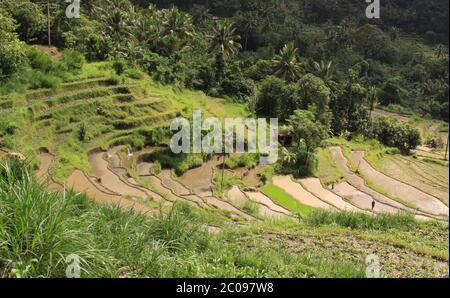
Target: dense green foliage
253 39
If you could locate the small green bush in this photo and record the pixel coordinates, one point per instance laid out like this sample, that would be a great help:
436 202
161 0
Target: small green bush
156 168
72 61
119 66
112 80
134 74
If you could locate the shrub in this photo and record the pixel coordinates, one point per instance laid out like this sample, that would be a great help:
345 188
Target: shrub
119 66
40 61
392 133
44 80
72 60
251 207
181 163
134 74
12 53
112 80
82 132
156 168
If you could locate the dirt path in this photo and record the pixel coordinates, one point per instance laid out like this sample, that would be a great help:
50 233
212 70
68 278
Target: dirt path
314 186
45 162
3 153
80 182
299 193
424 202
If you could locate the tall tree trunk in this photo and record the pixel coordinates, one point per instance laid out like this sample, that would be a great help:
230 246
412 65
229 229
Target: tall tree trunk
446 147
48 24
223 171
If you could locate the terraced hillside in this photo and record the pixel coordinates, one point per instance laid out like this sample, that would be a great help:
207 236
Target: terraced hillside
97 133
105 135
92 134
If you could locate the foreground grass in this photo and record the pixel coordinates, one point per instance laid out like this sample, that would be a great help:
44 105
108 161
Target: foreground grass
285 200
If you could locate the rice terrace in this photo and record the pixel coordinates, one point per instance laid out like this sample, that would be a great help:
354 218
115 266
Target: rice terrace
86 166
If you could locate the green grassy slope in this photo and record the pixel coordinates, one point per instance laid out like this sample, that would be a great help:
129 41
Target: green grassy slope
97 109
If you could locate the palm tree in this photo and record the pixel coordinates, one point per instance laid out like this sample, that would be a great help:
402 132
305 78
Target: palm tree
395 33
286 64
177 23
288 156
224 44
441 51
224 39
323 70
372 99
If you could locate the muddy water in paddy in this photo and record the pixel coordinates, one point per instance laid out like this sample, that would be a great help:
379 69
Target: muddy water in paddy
359 183
143 168
314 186
79 182
411 173
263 199
199 179
239 199
299 193
175 186
424 202
361 200
249 177
223 205
109 179
169 195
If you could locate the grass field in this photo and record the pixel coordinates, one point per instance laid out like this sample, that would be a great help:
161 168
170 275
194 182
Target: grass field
285 200
327 170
